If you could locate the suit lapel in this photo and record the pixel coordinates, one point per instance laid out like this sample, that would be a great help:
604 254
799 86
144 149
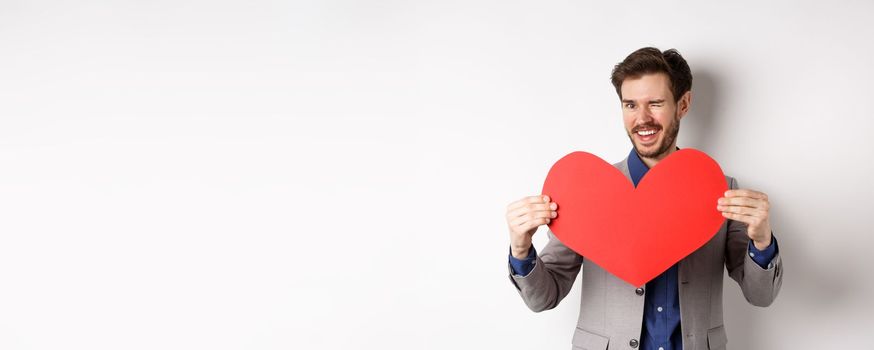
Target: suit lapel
623 167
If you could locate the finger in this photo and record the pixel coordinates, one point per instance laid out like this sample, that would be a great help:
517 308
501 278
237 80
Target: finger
528 200
525 201
740 201
746 193
531 208
526 222
535 216
738 217
736 209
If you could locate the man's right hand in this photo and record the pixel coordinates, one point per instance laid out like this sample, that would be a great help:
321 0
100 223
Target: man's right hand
523 217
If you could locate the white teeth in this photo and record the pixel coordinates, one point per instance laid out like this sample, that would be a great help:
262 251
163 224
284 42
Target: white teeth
646 132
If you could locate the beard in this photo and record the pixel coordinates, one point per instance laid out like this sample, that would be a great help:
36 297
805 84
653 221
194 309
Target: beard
666 144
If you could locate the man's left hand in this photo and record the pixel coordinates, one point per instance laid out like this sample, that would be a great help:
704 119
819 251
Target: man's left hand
750 207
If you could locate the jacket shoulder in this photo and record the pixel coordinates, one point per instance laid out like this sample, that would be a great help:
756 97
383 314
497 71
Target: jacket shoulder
731 181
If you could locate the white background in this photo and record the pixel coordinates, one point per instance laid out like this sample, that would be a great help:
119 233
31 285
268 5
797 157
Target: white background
334 174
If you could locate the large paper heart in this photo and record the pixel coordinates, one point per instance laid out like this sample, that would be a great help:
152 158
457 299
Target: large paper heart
636 233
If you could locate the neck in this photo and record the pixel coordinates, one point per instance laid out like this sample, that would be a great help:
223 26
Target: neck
651 162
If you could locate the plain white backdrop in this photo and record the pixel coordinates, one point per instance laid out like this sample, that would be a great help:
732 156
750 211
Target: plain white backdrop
333 174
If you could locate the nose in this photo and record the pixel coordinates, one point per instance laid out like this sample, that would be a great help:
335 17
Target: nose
644 116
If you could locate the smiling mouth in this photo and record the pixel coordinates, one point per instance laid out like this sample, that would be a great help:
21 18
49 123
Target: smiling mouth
646 132
647 135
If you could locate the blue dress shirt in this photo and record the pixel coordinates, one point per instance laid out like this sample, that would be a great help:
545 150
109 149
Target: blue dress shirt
661 312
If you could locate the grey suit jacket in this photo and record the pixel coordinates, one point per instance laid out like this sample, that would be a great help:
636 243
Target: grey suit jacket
611 310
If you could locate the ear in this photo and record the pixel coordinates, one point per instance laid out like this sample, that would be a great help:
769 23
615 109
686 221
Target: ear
684 104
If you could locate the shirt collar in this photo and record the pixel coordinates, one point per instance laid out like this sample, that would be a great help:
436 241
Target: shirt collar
636 167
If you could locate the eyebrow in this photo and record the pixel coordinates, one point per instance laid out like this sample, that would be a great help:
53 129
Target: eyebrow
650 101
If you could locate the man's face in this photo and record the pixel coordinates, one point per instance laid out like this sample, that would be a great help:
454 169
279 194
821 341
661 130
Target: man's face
651 117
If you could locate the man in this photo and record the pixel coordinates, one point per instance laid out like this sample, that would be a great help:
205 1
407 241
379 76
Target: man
682 307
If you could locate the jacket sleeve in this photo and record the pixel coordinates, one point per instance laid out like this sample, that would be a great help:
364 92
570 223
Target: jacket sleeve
760 286
553 275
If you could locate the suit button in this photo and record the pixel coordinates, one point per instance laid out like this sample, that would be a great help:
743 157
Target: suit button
638 291
634 343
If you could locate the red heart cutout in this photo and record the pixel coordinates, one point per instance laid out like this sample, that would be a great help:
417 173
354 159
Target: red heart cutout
636 233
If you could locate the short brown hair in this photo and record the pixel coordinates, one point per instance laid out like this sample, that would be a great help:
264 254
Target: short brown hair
650 60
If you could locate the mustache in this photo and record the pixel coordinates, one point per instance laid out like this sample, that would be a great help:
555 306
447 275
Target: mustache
646 126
